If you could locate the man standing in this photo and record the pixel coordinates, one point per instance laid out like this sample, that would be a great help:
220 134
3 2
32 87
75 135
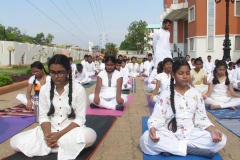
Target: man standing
161 45
209 67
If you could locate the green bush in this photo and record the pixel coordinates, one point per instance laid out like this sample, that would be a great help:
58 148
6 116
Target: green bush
20 66
5 80
29 70
138 61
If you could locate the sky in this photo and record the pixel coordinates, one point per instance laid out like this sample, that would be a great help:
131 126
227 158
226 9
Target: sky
79 21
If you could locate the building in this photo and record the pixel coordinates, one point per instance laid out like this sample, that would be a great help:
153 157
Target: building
152 28
200 27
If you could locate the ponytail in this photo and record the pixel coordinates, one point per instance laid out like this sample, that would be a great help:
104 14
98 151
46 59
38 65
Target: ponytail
52 109
173 122
72 115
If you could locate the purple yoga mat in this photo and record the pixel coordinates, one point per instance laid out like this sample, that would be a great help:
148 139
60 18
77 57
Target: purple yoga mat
9 126
150 105
107 112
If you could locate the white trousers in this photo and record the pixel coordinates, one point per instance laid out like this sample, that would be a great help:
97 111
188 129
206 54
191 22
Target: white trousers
23 99
235 86
89 134
150 87
108 103
127 88
170 143
202 88
234 102
85 82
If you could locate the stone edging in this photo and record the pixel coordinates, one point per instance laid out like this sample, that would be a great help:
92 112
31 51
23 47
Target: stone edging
13 87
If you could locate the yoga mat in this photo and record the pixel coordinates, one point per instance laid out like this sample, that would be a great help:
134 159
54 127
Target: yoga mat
225 113
13 125
172 157
108 112
232 125
150 105
126 91
101 125
88 85
16 111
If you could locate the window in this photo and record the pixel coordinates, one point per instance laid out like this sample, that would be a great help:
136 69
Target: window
191 44
175 1
210 24
237 42
191 14
237 8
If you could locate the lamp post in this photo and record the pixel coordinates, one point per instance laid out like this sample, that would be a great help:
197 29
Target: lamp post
138 44
10 49
227 41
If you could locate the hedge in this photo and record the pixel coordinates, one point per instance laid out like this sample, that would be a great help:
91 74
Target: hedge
5 80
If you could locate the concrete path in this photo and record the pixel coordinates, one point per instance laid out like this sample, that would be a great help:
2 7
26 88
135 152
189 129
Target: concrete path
121 143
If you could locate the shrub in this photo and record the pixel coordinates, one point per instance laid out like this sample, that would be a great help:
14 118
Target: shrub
5 80
138 61
29 71
20 66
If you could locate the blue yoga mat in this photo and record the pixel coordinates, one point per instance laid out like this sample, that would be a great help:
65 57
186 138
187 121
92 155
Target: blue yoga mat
172 157
232 125
225 113
88 85
9 126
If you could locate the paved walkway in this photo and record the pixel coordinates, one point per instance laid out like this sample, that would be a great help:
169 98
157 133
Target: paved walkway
121 143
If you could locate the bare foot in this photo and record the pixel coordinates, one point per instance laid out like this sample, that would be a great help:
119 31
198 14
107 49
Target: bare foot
233 108
215 107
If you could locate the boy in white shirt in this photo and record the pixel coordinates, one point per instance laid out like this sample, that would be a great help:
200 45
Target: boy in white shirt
85 60
73 66
90 67
124 72
147 67
82 75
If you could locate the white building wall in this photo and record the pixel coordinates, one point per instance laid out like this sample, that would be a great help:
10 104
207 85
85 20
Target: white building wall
32 53
200 48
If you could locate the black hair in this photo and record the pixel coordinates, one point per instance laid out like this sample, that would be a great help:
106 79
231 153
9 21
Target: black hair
133 58
118 61
176 66
238 61
64 61
149 54
110 58
161 66
228 57
165 21
103 61
215 79
198 60
230 63
120 56
38 65
124 60
193 59
209 56
79 67
85 56
89 56
187 56
70 59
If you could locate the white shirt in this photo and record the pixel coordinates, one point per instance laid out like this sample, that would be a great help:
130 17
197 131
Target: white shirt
90 67
102 66
236 76
133 68
97 64
152 76
148 67
164 80
124 72
230 73
84 63
82 76
141 67
190 112
38 84
209 67
161 46
74 68
109 92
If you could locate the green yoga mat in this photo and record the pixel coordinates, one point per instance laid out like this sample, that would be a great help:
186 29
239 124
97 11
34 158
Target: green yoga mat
101 125
88 85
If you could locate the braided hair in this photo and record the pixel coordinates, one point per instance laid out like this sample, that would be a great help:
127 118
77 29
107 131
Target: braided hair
64 61
215 79
172 125
38 65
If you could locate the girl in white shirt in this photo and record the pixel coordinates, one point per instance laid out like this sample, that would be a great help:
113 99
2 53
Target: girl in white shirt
108 88
217 96
124 73
133 67
62 111
163 78
82 75
151 79
230 69
179 124
35 82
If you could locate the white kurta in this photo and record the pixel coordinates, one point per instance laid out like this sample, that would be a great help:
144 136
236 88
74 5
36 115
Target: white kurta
236 78
83 77
133 69
71 143
150 86
74 68
209 67
161 46
97 65
191 119
230 73
124 73
164 80
90 68
148 67
84 63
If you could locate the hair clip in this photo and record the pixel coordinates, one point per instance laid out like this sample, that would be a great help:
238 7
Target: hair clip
51 101
71 106
174 115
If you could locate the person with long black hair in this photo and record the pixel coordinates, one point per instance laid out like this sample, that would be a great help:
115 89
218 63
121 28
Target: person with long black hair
39 78
62 112
179 124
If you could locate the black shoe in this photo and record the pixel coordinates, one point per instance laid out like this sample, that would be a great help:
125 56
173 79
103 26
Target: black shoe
165 154
93 105
119 107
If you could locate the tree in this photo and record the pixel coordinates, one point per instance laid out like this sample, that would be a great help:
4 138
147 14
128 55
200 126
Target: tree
110 50
49 39
39 39
138 34
127 46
